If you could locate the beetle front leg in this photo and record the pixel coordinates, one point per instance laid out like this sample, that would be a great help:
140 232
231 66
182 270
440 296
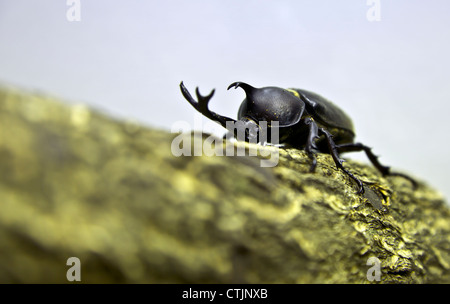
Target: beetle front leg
310 142
202 105
338 161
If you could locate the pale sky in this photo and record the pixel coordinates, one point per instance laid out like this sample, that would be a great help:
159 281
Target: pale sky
127 58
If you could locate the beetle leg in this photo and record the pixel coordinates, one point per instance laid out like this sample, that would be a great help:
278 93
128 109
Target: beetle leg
202 105
357 147
338 161
310 142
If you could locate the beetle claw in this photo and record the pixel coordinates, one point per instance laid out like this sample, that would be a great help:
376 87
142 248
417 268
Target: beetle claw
361 189
312 167
203 100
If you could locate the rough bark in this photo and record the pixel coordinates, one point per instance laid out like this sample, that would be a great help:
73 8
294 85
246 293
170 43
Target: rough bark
77 183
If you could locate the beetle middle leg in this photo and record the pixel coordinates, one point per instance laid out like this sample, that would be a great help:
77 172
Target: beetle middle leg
337 160
313 134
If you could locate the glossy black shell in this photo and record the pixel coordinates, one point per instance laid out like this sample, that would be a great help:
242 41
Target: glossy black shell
270 104
325 113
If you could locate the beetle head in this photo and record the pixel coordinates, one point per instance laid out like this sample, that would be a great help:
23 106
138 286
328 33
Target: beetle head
270 104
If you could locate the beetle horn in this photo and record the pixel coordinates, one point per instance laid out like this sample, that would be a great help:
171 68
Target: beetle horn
246 87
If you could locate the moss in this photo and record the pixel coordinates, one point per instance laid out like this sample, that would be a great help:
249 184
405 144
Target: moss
75 182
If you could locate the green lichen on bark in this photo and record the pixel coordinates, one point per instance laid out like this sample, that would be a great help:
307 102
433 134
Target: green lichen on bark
77 183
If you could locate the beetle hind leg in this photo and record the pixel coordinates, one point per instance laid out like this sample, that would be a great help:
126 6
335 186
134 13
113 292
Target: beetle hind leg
338 161
357 147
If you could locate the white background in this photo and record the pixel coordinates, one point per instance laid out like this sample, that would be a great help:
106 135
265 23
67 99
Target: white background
128 57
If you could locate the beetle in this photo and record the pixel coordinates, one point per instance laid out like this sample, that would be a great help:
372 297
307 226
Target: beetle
306 121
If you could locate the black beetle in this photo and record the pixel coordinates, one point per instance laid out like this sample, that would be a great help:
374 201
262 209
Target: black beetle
306 121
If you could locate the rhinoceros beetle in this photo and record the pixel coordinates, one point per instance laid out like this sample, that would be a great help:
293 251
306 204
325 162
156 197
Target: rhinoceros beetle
306 121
